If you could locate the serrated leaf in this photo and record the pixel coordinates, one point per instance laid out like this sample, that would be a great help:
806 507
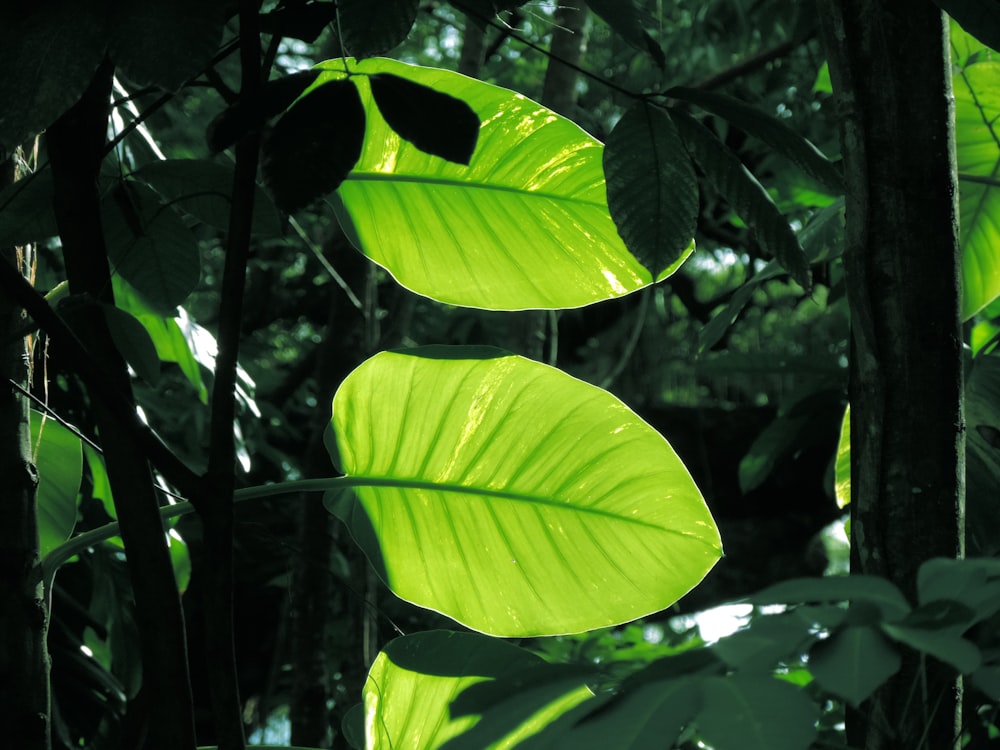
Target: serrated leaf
526 225
772 131
853 662
747 196
525 503
204 190
49 56
150 246
652 188
314 145
623 16
373 27
251 113
747 712
434 122
153 42
58 457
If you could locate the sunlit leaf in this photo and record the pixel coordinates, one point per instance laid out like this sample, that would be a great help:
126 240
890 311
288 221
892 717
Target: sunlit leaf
59 460
652 188
977 139
525 225
524 503
842 468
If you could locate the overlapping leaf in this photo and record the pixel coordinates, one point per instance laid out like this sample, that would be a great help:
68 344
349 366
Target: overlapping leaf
58 457
524 503
525 225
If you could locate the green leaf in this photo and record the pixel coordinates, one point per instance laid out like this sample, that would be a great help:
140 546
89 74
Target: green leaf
652 188
373 28
251 113
415 678
987 679
58 457
525 503
433 121
49 55
963 655
747 712
979 17
623 17
878 591
769 129
353 726
974 583
842 467
747 196
982 455
305 22
314 145
764 643
651 716
854 661
526 225
133 343
977 108
26 213
149 245
204 190
165 44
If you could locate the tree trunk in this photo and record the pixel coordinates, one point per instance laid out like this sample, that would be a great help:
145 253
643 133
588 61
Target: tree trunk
24 659
890 67
568 43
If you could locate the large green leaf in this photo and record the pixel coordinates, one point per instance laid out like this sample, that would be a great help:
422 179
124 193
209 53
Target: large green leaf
513 497
59 459
525 225
977 108
416 678
854 661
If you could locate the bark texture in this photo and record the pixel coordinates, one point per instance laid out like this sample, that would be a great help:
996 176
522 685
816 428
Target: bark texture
889 63
24 660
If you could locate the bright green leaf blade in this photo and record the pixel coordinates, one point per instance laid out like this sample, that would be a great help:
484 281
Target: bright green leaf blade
770 130
525 503
977 140
652 188
745 712
748 197
526 225
853 662
415 679
842 468
59 460
204 190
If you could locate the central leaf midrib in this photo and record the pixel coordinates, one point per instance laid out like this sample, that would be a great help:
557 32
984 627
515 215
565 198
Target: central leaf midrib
366 176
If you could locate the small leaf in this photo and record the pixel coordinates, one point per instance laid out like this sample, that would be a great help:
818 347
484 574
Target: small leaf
373 28
853 662
748 198
133 342
434 122
747 712
623 16
57 455
314 145
150 246
652 188
770 130
250 114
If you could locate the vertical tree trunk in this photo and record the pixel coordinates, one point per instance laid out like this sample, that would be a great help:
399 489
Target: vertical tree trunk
24 659
889 63
568 43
